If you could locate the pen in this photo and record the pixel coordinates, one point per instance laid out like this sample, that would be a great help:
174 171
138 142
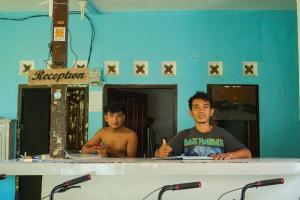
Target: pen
98 145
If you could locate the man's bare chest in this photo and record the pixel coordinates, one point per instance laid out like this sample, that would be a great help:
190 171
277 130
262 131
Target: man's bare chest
117 141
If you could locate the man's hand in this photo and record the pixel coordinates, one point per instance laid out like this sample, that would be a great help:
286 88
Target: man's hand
241 153
164 150
102 150
223 156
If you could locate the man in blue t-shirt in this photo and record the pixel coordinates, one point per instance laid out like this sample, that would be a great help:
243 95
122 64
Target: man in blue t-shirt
203 139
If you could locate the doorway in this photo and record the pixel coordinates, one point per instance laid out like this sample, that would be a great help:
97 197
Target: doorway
32 135
34 125
151 111
34 119
237 110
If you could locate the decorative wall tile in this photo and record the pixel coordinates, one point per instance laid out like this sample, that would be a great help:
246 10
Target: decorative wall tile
168 68
111 68
215 68
80 64
25 66
250 68
140 68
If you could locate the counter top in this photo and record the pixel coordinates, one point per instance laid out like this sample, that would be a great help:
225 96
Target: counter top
95 165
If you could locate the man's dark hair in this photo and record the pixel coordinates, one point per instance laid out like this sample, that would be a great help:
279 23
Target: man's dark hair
114 107
199 95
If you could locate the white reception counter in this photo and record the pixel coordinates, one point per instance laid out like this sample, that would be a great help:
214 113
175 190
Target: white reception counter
134 178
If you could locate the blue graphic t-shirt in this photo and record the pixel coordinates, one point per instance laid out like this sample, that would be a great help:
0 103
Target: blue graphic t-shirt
191 142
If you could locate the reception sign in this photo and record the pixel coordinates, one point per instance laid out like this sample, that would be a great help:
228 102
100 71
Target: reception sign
58 76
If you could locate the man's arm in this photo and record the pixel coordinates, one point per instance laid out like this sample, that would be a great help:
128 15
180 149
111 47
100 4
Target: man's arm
132 145
241 153
233 148
89 147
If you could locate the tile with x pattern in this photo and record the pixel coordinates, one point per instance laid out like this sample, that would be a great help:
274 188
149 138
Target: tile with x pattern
250 68
140 68
215 68
111 68
25 66
168 68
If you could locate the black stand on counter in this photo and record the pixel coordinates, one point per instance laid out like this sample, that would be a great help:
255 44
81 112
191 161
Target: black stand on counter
260 184
69 185
181 186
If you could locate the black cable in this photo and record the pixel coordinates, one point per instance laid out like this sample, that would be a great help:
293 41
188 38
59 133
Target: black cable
45 197
30 17
93 32
229 192
151 193
71 47
63 189
92 38
22 18
50 46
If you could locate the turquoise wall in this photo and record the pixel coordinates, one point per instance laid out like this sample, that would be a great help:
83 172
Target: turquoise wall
190 38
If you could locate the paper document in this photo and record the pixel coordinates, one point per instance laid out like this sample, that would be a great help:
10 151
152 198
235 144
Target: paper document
188 158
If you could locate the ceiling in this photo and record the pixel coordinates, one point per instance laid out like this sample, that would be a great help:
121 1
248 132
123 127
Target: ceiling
152 5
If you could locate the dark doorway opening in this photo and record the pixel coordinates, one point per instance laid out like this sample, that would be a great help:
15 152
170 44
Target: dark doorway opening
34 125
32 136
151 111
237 110
34 121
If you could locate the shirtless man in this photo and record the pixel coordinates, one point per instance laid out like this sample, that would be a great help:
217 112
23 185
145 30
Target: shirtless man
114 140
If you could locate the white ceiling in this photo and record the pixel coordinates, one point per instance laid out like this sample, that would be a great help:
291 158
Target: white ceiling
154 5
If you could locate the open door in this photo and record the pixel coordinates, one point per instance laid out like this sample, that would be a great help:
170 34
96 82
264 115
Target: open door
237 110
151 112
135 116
